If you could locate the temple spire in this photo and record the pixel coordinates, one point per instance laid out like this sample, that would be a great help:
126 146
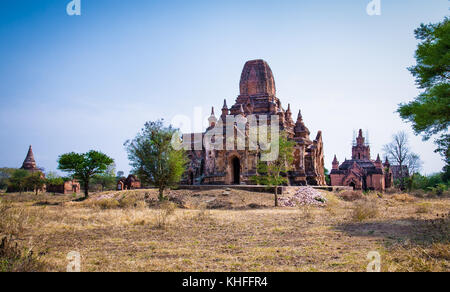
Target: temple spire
225 106
335 163
224 110
299 117
212 119
29 163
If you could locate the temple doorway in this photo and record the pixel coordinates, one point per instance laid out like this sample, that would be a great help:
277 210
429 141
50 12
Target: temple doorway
191 178
353 185
236 170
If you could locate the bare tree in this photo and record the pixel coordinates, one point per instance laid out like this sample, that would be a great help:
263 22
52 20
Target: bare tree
398 151
414 164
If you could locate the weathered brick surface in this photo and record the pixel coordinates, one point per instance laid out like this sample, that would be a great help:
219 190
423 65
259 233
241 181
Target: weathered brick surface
361 172
257 97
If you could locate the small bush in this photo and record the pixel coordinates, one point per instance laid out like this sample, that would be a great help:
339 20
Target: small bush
15 259
105 204
418 193
364 209
163 214
306 212
203 213
129 200
350 196
423 208
391 191
12 220
332 204
405 198
439 189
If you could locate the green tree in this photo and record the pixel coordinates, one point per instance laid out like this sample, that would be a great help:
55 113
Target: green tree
5 175
107 179
153 157
429 113
18 180
84 166
35 181
273 173
326 172
54 179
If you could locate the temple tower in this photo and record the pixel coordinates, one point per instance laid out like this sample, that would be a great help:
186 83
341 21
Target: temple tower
29 163
360 150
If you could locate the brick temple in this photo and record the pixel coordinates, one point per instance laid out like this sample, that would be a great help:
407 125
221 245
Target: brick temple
29 164
361 172
257 98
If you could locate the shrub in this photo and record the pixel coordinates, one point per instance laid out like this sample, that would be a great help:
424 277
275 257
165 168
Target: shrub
439 189
163 214
423 208
364 209
332 204
12 219
391 191
306 212
351 196
418 193
15 259
404 198
105 204
130 200
12 257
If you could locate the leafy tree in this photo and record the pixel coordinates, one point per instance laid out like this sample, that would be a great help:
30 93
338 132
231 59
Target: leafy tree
18 180
107 179
398 151
273 173
35 181
84 166
327 176
433 183
5 175
153 157
120 174
429 113
54 179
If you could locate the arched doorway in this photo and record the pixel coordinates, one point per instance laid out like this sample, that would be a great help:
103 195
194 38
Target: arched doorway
353 185
191 178
236 171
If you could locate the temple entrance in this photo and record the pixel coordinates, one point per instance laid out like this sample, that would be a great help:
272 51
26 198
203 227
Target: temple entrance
236 171
353 185
191 178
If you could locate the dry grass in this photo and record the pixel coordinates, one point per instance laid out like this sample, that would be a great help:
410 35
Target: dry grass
15 257
405 198
246 235
364 209
351 196
163 214
423 208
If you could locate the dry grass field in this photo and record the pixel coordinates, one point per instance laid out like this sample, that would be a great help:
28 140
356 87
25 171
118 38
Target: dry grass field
239 231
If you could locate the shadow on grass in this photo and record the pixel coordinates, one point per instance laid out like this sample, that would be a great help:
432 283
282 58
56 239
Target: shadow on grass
416 231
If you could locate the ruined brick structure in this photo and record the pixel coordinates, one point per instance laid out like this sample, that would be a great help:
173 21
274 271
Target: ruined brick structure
129 183
29 164
257 98
361 172
68 187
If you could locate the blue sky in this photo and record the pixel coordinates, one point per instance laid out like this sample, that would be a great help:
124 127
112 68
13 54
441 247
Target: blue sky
75 83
